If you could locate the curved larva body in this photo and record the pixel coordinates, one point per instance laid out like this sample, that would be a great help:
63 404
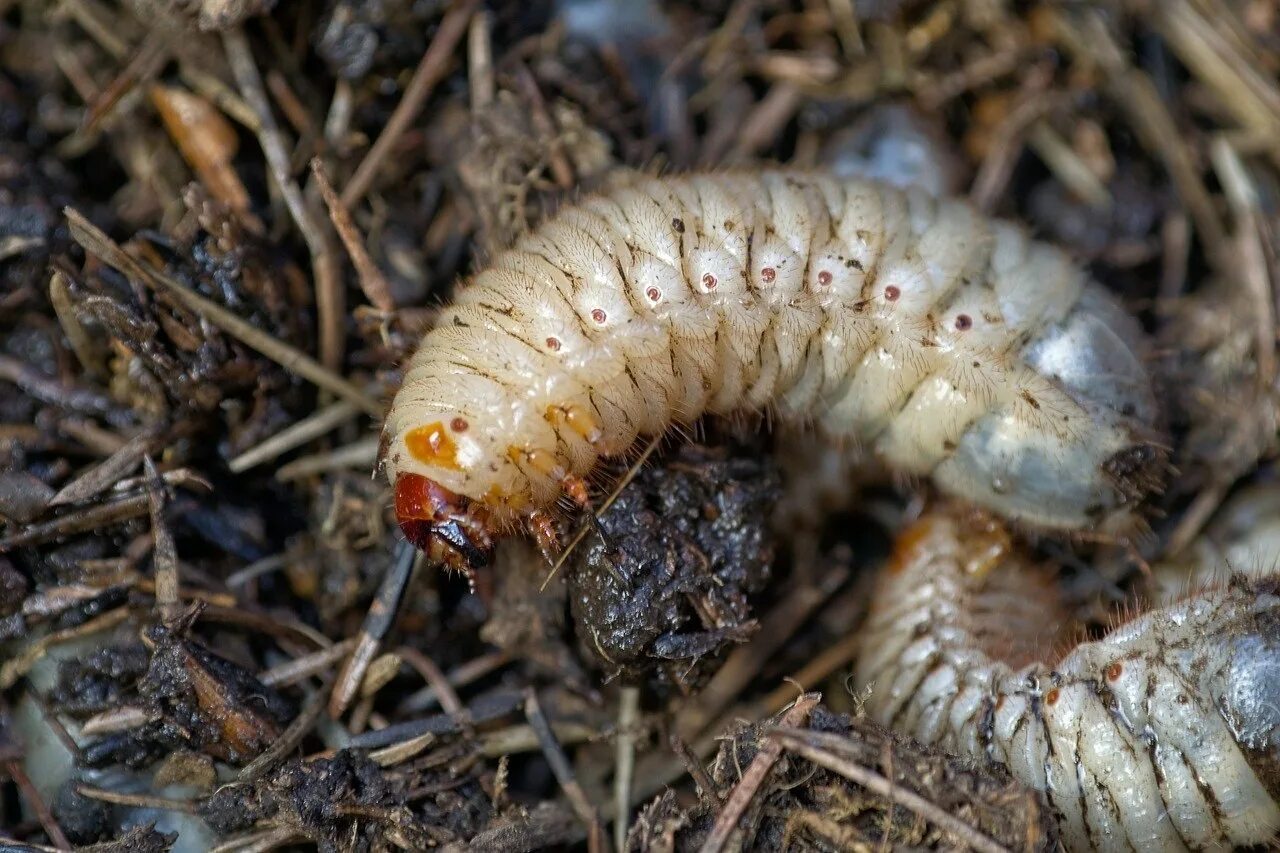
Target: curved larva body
952 345
1164 735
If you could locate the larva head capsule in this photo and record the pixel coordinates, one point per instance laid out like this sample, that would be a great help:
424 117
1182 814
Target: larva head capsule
449 528
453 488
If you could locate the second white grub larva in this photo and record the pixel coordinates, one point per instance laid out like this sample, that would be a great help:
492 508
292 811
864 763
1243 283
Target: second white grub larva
1162 735
951 345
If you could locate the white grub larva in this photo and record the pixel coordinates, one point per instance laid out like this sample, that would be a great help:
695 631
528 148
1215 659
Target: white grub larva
953 346
1162 735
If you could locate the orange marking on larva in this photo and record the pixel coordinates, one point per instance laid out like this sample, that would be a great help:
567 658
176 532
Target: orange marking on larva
431 445
768 274
1114 671
578 419
909 544
553 344
999 701
598 315
892 293
539 460
709 281
1051 698
824 278
583 423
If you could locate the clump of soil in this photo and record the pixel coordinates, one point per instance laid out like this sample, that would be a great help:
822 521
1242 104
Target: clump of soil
665 581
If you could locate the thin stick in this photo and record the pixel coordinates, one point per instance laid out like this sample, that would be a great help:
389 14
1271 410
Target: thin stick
20 663
827 662
753 778
377 622
524 738
707 788
1224 65
330 296
1155 128
402 751
311 427
105 474
36 803
138 801
307 665
996 168
257 569
563 770
766 119
430 71
461 676
359 454
338 120
97 243
1067 166
604 507
480 63
625 765
845 19
542 123
372 281
1251 267
259 841
164 551
815 747
66 395
120 719
92 518
288 740
81 344
434 676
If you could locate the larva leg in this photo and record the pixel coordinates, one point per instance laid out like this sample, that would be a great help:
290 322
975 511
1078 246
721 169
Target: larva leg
543 528
1163 735
953 347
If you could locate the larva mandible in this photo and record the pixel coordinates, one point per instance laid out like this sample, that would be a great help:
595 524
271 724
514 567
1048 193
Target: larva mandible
952 345
1163 735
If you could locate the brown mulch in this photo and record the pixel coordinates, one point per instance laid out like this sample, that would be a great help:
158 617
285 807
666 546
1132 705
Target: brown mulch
224 225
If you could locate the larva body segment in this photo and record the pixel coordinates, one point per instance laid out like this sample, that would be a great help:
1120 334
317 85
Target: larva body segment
953 346
1163 735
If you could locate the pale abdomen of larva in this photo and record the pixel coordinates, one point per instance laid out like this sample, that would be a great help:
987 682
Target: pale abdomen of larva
952 345
1163 735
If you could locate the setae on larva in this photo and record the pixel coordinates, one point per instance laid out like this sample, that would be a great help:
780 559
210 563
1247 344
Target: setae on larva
1163 735
953 346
